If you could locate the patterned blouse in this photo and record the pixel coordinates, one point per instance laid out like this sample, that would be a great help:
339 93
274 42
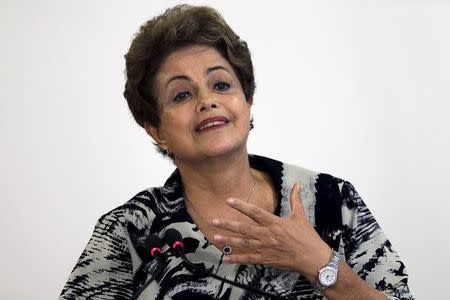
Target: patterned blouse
108 267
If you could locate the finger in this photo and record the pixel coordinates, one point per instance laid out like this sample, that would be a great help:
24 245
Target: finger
244 243
243 259
296 201
242 228
256 213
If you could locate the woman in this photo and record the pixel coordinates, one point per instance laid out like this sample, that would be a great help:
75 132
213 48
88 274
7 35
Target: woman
190 84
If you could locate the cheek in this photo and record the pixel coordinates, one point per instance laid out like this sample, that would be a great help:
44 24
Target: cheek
244 111
175 124
239 105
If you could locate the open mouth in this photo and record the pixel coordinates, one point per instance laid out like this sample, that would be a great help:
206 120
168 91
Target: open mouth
211 123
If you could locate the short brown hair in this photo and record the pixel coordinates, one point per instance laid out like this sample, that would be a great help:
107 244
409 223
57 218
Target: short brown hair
177 27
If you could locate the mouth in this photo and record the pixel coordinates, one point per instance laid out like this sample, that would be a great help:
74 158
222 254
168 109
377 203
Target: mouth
211 123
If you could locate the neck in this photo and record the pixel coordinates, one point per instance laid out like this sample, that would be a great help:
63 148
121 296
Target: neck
217 179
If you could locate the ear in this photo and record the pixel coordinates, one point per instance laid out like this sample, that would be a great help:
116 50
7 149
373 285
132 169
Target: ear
250 101
155 134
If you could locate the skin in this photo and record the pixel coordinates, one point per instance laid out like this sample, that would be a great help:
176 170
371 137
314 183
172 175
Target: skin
289 243
195 83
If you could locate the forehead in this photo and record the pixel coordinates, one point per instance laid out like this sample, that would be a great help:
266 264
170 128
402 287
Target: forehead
191 59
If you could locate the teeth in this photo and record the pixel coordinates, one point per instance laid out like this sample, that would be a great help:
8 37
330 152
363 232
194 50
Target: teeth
212 124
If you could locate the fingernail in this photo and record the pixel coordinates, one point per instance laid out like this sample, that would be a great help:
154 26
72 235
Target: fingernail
231 200
218 237
226 259
216 222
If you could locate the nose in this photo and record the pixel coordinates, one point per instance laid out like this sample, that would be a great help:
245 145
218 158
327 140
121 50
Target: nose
206 103
208 107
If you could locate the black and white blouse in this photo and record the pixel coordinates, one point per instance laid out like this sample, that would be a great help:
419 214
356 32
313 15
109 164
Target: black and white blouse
107 266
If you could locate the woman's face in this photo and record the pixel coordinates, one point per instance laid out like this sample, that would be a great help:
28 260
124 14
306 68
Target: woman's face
203 109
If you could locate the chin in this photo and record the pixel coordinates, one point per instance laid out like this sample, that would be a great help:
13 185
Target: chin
224 150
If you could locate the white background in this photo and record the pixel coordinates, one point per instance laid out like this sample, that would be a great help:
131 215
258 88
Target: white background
358 89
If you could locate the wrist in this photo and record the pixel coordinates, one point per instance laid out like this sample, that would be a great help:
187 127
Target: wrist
327 275
315 263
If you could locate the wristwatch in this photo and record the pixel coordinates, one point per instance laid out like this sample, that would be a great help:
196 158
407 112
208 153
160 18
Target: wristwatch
328 274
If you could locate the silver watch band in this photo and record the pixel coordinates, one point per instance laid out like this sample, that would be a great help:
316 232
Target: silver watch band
334 264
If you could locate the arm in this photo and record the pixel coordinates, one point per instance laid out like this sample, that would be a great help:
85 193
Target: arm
292 243
368 251
104 269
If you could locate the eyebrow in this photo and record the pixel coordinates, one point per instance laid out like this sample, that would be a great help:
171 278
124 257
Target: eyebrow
184 77
177 77
215 68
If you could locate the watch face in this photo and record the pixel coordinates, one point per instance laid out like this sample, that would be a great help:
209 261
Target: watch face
327 277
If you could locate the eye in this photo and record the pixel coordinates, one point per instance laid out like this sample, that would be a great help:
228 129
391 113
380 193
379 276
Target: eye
181 96
221 86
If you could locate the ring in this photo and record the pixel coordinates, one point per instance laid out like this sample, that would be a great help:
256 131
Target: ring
227 249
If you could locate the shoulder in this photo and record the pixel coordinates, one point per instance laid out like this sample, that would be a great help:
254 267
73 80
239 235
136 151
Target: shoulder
105 261
322 182
330 202
315 186
289 174
323 186
138 207
149 211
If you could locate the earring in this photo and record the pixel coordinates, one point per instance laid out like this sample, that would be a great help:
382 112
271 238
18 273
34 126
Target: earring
252 125
165 151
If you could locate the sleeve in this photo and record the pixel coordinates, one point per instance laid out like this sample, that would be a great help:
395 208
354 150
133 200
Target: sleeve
104 269
369 253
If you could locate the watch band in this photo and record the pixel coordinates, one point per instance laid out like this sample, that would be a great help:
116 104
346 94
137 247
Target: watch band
334 262
332 265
